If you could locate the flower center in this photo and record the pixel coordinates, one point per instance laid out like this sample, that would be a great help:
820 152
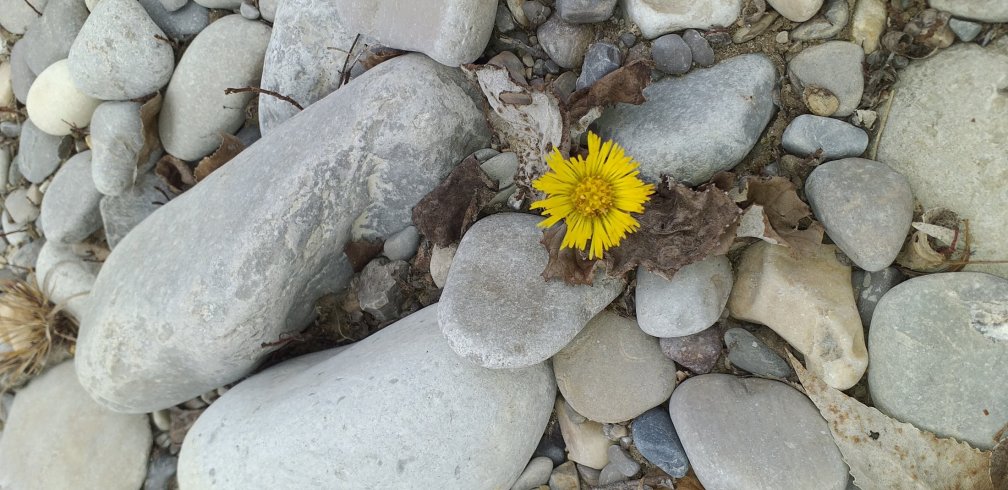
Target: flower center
593 196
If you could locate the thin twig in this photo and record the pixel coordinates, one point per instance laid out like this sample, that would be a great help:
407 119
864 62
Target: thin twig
257 90
345 73
33 7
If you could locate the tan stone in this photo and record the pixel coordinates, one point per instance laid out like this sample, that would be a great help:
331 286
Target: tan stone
809 302
867 24
586 443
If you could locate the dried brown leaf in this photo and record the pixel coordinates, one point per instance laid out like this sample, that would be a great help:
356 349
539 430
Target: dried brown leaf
884 453
679 226
567 264
149 128
375 55
175 173
452 207
999 465
790 219
360 252
622 85
230 147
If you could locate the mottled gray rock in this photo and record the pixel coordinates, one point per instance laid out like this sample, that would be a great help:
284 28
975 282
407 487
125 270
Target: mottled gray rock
21 210
796 10
600 59
612 371
17 15
502 168
808 133
378 291
866 207
70 207
454 31
754 433
65 276
656 439
182 24
535 474
702 53
965 30
268 9
57 437
117 139
22 77
278 242
39 152
870 287
402 245
466 426
122 213
698 352
565 43
671 54
620 462
657 18
117 55
689 303
694 126
834 66
10 129
498 312
585 11
196 110
982 10
51 36
299 63
956 325
746 351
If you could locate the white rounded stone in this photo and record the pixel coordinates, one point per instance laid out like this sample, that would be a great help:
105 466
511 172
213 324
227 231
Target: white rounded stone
55 105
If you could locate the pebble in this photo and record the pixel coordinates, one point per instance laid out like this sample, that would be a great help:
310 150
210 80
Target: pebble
160 470
693 126
21 210
49 445
589 475
565 477
70 207
182 24
256 267
468 427
122 213
612 371
173 5
585 11
965 30
689 303
749 32
67 277
808 301
514 65
746 351
552 445
656 439
955 323
620 461
671 54
834 66
14 233
502 168
54 103
698 352
503 20
27 255
700 49
10 129
40 153
980 10
657 18
117 55
22 77
51 36
6 90
17 15
161 420
249 11
868 24
440 263
565 43
796 10
535 12
117 140
754 433
402 245
866 207
601 59
870 287
586 442
628 39
535 474
808 134
835 15
378 291
782 37
495 309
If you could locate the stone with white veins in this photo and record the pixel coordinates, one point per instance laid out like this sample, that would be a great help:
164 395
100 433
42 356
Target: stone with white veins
117 139
55 104
117 54
227 54
497 311
70 206
52 35
688 303
866 207
278 243
808 134
796 10
17 15
834 66
464 426
40 153
657 18
982 10
57 437
693 126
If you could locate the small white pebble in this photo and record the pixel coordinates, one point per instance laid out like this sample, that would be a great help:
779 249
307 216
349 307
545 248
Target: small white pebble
782 37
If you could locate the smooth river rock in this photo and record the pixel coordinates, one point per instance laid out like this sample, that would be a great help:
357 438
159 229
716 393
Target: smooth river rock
661 17
49 38
56 105
690 303
117 140
982 10
278 237
70 205
17 15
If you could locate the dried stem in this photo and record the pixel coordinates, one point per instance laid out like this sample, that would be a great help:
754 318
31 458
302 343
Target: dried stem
258 90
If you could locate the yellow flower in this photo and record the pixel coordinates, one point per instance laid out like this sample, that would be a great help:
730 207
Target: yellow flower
595 196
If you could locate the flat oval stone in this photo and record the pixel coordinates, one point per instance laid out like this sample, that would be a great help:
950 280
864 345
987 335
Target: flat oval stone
754 433
585 11
808 134
56 105
657 18
698 352
955 323
748 352
70 206
671 54
40 153
690 303
22 77
117 139
496 309
464 426
834 66
66 276
982 10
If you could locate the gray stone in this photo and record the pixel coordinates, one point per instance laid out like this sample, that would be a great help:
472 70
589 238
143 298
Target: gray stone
455 31
27 255
117 55
834 17
981 10
535 474
947 131
378 291
689 303
621 462
160 471
565 43
440 263
70 207
796 10
612 371
40 153
601 59
671 54
535 12
22 77
122 213
502 168
698 352
938 344
694 126
866 207
503 20
275 254
565 477
870 287
196 110
808 134
610 475
66 277
834 66
588 474
657 18
173 5
220 4
57 437
299 63
754 433
117 139
965 30
182 24
21 210
465 427
655 438
268 9
402 245
700 49
585 11
17 15
746 351
14 233
628 39
498 312
249 11
51 36
10 129
248 135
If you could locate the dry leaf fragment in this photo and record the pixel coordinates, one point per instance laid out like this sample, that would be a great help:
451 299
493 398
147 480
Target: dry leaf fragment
360 252
444 214
785 214
175 173
230 147
149 128
568 264
884 453
622 85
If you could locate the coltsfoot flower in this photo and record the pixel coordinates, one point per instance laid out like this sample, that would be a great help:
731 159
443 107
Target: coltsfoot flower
594 195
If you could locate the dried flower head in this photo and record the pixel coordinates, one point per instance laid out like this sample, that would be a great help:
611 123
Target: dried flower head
30 326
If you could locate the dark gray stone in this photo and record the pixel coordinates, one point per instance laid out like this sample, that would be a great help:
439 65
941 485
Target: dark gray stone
746 351
703 54
965 30
656 439
565 43
70 206
870 287
536 473
40 153
49 38
628 39
585 11
600 60
698 352
807 134
182 24
671 54
536 12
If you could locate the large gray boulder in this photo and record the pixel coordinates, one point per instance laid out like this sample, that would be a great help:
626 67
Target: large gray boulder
239 259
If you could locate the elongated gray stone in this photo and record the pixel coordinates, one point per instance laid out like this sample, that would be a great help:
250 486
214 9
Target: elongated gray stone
808 134
51 36
117 139
40 153
445 422
266 243
70 205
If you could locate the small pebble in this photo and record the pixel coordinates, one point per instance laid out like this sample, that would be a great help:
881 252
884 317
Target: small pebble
656 439
485 154
628 39
782 37
620 461
965 30
402 245
585 11
162 420
20 208
514 65
10 129
589 475
671 54
747 352
536 473
565 43
528 60
835 15
702 53
698 352
440 262
609 475
565 477
536 12
249 11
614 432
600 60
870 287
808 134
163 440
552 444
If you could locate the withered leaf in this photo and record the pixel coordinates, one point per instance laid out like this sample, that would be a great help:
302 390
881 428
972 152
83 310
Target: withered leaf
375 55
790 219
567 264
622 85
149 128
444 214
679 226
884 453
360 252
999 464
230 147
175 173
